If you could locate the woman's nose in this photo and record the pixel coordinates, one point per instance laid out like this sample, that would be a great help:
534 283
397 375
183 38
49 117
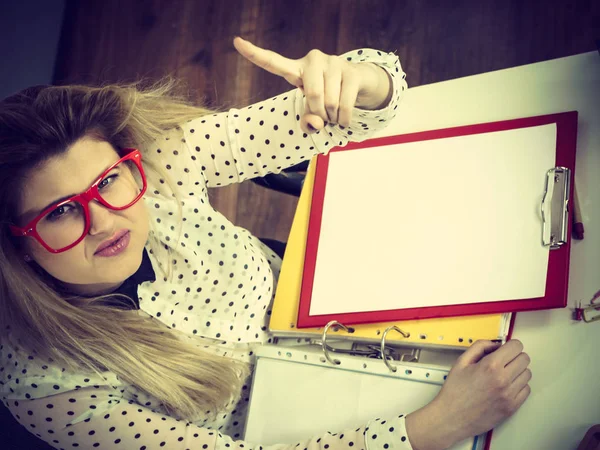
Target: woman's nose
101 218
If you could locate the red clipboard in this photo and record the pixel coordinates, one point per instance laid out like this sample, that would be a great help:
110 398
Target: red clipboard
558 262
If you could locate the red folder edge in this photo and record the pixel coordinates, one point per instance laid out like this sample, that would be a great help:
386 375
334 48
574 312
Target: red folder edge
558 262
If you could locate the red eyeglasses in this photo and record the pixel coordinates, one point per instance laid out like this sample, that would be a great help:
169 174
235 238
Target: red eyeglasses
63 225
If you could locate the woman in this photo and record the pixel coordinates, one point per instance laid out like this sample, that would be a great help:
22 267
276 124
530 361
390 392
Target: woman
131 308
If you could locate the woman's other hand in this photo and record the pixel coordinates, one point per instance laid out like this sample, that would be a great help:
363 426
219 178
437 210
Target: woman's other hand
332 85
486 385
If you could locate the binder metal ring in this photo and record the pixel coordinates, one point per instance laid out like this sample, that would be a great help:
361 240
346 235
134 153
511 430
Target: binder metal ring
324 346
383 356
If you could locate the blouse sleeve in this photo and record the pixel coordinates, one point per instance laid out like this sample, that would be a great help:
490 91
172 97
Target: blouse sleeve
66 420
266 137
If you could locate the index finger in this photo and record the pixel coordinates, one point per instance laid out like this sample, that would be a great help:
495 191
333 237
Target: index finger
267 59
507 352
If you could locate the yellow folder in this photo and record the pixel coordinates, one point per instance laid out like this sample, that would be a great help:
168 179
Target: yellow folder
450 331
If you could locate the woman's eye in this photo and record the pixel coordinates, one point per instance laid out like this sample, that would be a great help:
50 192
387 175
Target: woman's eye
105 182
61 211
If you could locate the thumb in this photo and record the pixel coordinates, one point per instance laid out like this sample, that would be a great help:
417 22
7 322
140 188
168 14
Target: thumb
313 120
477 351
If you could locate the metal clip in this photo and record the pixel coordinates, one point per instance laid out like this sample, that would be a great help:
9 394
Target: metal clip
555 224
591 313
412 356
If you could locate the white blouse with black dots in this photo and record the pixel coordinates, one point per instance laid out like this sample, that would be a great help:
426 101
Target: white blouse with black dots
218 296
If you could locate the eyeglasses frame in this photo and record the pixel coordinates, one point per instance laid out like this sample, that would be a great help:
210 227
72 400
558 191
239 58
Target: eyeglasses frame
83 199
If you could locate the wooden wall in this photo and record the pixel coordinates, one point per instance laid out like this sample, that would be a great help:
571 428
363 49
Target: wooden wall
122 40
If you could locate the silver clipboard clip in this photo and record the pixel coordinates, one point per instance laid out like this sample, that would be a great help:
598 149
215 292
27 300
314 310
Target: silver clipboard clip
555 207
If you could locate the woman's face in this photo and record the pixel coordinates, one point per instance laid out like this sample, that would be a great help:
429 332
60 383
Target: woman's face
80 268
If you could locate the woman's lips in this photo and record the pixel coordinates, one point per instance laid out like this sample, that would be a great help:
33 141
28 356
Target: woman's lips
117 248
111 240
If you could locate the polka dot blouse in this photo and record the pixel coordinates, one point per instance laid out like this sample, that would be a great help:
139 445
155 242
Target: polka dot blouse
218 295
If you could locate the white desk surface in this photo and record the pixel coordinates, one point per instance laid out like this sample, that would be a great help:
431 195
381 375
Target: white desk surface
565 355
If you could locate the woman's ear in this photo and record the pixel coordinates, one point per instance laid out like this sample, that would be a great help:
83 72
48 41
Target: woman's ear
24 250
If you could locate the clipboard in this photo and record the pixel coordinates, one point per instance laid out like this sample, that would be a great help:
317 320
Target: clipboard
551 204
319 401
446 332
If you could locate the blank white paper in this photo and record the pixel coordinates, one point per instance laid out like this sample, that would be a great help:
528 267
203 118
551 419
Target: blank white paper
293 402
442 222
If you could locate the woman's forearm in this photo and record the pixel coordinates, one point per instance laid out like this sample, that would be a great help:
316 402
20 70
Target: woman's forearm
380 94
427 429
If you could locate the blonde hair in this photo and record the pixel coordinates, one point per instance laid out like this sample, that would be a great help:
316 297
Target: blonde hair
86 333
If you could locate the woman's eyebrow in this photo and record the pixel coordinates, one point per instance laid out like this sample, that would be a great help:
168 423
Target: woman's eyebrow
58 200
29 215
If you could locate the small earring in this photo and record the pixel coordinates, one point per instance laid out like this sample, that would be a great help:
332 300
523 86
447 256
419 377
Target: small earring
27 258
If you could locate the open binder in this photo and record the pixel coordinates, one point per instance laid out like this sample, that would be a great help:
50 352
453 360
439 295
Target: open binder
481 224
280 414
